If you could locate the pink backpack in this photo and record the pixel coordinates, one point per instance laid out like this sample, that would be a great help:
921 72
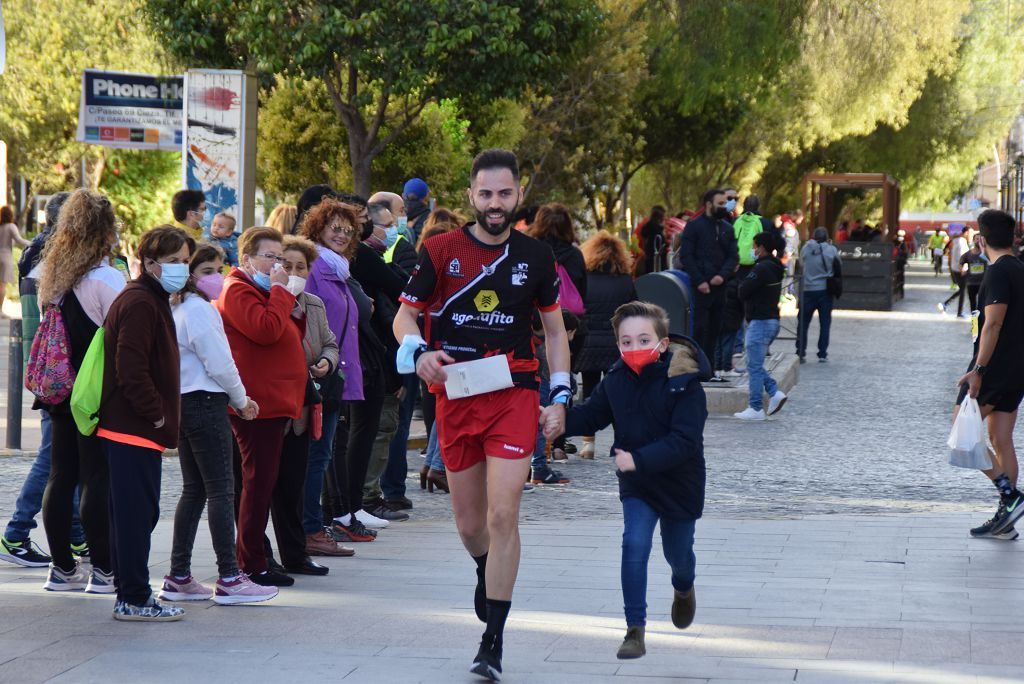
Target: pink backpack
568 295
50 375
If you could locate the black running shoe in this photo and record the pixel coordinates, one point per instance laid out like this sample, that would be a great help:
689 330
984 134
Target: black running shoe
23 553
487 663
1009 534
269 578
548 476
987 528
1012 510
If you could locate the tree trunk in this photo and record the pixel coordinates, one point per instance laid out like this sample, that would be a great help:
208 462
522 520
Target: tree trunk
362 175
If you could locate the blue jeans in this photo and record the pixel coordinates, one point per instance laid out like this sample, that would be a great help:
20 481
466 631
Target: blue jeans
392 480
637 536
820 301
434 460
724 350
539 462
320 452
760 334
30 500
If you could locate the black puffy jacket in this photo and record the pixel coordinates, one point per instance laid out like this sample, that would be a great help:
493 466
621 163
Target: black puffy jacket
605 293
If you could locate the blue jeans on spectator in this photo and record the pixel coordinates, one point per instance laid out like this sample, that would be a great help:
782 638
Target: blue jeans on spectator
30 500
434 460
320 452
637 537
539 462
820 301
723 350
760 334
392 481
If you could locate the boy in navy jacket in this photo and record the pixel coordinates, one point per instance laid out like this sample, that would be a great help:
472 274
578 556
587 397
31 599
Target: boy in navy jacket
654 398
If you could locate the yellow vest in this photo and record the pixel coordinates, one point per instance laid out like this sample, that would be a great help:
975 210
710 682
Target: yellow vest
389 253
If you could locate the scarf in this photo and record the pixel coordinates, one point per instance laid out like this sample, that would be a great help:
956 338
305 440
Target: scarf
338 263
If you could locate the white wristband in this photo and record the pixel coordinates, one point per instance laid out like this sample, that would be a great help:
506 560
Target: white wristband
561 379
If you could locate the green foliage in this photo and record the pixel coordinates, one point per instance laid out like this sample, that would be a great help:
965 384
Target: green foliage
140 185
49 43
383 63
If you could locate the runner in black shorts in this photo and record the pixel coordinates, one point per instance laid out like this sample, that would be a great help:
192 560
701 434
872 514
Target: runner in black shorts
996 373
480 288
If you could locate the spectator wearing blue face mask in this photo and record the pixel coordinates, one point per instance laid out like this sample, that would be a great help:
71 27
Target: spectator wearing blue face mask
388 239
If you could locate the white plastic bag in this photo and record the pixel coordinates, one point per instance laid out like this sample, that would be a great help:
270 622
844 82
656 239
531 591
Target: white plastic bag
967 447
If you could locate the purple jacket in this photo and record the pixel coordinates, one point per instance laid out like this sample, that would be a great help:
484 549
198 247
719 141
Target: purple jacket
325 284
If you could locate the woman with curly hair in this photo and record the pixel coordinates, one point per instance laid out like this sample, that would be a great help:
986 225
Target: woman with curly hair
77 276
609 285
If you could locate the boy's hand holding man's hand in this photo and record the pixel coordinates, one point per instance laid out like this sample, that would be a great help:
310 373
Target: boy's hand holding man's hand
624 461
553 419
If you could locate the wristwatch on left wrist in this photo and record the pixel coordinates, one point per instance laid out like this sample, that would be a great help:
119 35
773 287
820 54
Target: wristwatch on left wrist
979 369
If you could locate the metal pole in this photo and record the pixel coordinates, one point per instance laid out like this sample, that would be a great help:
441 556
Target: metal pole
14 385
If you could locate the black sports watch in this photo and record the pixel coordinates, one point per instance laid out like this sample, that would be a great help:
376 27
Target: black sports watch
979 369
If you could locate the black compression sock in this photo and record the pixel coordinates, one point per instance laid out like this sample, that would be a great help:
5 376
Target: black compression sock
480 596
497 613
1002 483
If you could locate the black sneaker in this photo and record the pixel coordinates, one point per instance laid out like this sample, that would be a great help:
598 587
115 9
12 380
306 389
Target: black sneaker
23 553
548 476
402 503
986 529
1013 509
269 578
487 663
379 509
1009 534
570 448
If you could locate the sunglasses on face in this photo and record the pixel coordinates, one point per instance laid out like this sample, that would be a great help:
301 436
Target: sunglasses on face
342 230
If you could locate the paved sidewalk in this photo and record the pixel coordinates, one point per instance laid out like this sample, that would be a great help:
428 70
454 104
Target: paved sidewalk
818 599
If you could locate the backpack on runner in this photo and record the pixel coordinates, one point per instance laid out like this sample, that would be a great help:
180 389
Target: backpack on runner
568 295
88 390
49 374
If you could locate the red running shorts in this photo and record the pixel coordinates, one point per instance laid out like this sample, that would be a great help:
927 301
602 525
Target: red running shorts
501 424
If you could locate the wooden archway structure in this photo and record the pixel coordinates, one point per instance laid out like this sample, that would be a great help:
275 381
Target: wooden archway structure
820 197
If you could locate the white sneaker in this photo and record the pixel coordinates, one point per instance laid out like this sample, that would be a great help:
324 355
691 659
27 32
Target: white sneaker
58 580
100 582
750 414
776 402
371 521
733 374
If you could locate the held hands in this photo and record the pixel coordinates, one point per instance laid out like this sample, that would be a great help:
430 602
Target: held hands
704 288
552 418
973 382
250 410
624 461
320 368
430 367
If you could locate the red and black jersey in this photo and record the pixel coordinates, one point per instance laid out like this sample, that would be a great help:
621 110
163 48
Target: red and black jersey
480 299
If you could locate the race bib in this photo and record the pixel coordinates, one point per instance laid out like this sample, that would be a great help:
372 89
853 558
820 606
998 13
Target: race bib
977 268
470 378
974 325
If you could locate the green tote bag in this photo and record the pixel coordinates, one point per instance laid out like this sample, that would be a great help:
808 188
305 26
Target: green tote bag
88 389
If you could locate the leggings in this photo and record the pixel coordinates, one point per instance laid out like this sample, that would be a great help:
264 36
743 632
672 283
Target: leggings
76 460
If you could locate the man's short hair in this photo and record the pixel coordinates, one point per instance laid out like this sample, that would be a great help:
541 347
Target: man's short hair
709 196
751 204
185 201
494 159
638 309
997 227
766 240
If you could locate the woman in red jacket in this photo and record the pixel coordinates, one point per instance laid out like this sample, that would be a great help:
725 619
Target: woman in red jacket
266 343
139 415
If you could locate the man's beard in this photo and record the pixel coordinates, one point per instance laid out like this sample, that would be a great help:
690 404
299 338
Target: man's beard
481 220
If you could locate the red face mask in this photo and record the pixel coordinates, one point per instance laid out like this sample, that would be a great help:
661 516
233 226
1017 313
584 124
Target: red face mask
638 359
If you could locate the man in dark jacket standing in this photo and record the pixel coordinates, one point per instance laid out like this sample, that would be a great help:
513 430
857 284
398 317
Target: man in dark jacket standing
708 254
760 292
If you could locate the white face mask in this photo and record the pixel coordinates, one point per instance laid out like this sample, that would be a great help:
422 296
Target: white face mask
296 285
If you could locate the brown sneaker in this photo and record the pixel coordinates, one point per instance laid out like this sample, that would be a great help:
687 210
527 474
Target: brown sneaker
320 544
684 606
633 645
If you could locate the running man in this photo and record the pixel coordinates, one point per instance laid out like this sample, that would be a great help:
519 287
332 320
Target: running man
480 287
996 375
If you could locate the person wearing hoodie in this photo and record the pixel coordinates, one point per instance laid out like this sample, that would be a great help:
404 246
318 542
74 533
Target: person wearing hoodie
760 292
654 399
